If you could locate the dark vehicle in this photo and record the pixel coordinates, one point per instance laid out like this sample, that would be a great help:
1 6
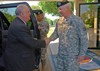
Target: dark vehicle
7 14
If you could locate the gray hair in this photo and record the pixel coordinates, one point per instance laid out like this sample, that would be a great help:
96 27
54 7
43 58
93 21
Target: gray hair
20 9
68 5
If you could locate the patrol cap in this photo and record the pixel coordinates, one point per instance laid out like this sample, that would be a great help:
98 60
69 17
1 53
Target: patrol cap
62 3
38 12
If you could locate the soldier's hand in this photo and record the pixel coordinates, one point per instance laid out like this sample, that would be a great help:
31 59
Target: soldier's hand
39 27
80 58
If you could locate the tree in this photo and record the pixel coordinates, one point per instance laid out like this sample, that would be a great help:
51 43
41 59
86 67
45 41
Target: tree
89 1
35 7
89 21
49 7
9 17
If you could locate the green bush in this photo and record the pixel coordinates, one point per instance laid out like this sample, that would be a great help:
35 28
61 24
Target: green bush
89 22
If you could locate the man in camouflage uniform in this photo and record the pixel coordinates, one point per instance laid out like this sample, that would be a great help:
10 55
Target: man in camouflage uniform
73 42
43 26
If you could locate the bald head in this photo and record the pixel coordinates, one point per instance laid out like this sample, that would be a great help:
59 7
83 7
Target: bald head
23 12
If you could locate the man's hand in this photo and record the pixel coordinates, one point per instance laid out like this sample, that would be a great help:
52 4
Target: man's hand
84 59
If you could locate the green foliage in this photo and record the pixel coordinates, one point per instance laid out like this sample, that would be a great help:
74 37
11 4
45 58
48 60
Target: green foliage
89 1
89 22
35 7
49 7
29 23
54 22
88 19
9 17
49 21
72 3
88 16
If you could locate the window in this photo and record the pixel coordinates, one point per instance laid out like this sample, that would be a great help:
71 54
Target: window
90 13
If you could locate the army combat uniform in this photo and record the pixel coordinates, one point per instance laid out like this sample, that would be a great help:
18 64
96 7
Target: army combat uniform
45 28
73 42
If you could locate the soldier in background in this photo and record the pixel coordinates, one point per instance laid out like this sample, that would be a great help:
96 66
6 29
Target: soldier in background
43 26
73 42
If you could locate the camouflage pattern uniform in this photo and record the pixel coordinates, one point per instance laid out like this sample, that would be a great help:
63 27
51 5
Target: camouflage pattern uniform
45 28
73 42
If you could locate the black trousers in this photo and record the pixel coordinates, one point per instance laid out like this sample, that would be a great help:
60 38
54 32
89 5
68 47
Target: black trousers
37 57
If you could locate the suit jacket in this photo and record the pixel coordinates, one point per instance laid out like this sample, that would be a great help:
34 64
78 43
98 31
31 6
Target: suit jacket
19 53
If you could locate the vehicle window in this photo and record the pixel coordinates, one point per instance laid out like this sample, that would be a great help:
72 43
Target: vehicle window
9 13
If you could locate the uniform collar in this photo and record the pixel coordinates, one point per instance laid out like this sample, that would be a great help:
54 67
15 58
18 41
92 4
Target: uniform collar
69 17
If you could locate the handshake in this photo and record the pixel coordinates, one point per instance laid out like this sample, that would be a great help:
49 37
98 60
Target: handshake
47 41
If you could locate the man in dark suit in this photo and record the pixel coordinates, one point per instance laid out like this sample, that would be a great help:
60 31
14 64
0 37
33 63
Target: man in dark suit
19 53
